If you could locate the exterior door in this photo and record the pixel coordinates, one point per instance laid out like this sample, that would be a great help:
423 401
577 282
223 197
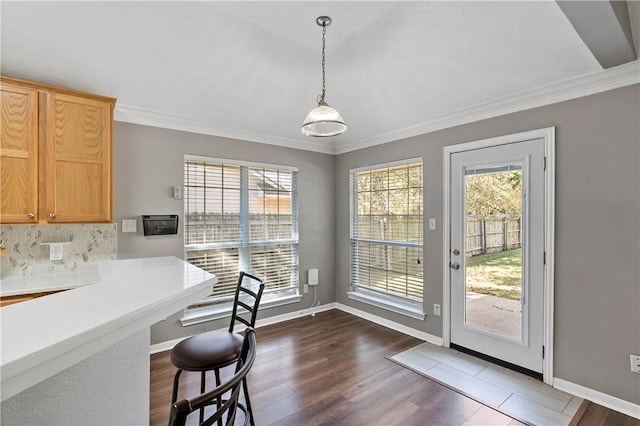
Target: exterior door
497 233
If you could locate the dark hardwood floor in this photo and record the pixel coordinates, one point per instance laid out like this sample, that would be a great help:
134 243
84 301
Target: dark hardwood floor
591 414
331 369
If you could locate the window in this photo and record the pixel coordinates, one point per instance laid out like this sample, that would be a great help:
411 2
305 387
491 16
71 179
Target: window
386 236
241 216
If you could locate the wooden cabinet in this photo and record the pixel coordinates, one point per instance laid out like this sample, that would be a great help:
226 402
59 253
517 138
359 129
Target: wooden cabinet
10 300
77 179
56 154
19 154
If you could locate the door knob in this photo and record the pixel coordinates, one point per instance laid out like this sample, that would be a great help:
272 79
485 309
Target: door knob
31 215
52 215
454 265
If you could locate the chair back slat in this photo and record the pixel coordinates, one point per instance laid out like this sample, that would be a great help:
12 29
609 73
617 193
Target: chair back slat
249 292
244 305
180 410
244 321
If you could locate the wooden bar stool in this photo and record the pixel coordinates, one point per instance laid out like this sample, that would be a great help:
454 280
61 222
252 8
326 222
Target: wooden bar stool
217 349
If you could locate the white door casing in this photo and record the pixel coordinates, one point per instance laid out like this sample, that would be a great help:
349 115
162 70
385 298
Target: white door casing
533 151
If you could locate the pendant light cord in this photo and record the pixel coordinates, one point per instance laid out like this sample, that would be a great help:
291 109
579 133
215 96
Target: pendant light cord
324 30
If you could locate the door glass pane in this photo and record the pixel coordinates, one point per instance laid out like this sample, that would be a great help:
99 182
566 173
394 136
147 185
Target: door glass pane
493 249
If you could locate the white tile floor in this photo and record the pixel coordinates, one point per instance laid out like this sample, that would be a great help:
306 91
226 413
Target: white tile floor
512 393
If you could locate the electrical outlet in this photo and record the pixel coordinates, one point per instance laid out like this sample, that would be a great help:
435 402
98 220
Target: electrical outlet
635 363
55 251
436 309
305 289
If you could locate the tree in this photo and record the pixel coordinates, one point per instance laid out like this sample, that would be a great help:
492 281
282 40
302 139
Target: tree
492 194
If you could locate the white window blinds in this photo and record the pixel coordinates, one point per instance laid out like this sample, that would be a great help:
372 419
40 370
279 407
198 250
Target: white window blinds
386 230
241 217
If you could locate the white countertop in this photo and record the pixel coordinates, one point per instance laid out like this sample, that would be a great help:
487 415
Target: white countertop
19 285
44 336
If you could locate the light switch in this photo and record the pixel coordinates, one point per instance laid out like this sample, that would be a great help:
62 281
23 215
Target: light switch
432 224
129 225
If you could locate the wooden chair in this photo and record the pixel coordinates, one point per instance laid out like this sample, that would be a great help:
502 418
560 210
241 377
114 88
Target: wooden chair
230 390
217 349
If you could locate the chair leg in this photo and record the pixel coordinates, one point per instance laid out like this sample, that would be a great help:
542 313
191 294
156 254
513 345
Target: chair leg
176 380
246 398
203 380
217 373
219 405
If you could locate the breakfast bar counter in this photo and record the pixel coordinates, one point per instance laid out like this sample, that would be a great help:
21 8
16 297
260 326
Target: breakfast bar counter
90 345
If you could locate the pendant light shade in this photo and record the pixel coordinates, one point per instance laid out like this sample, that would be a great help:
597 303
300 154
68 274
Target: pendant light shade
323 121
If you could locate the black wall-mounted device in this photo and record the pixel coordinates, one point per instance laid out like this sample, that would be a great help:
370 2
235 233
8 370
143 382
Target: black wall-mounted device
157 224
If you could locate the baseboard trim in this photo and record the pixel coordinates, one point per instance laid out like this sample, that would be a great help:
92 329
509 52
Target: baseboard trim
391 324
617 404
168 345
293 315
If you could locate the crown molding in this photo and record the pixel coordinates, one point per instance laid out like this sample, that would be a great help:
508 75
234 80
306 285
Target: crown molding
601 81
135 115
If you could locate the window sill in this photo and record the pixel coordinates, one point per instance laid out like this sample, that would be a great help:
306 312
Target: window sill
224 311
391 304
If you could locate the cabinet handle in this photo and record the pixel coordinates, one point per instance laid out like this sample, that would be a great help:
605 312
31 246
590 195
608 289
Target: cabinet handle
52 215
31 215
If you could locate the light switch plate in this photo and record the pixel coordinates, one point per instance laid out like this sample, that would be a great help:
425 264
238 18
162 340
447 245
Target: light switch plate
432 224
129 225
635 363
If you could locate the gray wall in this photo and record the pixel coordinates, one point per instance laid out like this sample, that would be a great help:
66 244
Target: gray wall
597 288
149 162
597 248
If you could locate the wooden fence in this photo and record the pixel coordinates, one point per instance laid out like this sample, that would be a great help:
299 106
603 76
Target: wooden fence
492 234
488 235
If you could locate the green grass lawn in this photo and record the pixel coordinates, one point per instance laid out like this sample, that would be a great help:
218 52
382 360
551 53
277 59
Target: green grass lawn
496 274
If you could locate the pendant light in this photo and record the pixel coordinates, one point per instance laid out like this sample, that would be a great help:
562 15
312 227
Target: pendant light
323 120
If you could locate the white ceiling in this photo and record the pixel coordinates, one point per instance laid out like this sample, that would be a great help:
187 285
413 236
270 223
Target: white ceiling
252 69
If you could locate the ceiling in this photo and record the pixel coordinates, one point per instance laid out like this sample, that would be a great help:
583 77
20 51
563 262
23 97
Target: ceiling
251 70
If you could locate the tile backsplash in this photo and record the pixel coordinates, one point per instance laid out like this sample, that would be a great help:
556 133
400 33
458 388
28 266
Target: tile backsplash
84 244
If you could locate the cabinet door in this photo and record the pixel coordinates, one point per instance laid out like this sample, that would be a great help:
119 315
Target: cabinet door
18 154
78 159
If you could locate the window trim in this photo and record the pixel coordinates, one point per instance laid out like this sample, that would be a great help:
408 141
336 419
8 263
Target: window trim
388 165
198 316
398 304
389 302
291 294
191 157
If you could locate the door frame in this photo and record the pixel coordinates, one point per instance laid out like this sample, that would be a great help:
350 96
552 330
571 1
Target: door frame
548 134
